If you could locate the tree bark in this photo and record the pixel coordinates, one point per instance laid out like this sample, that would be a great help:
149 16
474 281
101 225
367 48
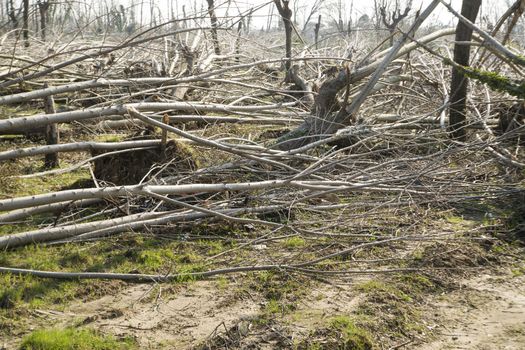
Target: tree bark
140 190
459 83
52 133
286 15
76 147
23 123
214 35
517 15
326 117
26 23
11 12
316 32
43 7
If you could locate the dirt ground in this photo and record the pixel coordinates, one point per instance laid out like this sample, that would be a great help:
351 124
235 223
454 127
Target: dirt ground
489 316
485 311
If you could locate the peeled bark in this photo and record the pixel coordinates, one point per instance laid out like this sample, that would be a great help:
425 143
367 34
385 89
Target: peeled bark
52 133
23 123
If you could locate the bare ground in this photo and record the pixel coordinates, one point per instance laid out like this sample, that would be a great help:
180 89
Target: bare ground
488 313
485 312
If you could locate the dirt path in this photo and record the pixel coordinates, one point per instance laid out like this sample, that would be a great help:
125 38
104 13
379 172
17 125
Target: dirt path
182 319
488 315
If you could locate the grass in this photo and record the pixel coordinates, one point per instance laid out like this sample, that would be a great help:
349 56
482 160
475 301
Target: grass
154 259
391 299
273 307
391 306
341 332
73 339
109 138
127 254
294 242
518 271
380 287
354 337
455 219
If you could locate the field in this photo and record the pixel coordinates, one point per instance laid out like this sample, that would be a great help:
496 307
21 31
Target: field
183 186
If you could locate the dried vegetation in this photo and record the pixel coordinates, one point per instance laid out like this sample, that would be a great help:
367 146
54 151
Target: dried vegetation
327 203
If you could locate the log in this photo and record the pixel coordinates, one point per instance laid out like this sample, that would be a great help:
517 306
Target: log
14 125
15 215
109 227
76 147
113 192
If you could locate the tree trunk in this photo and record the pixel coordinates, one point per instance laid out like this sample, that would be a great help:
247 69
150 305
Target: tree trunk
316 32
286 14
214 35
11 12
458 85
517 15
52 134
328 117
43 7
26 23
249 21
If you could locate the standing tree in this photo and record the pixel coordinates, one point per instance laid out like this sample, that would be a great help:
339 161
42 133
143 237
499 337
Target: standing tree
249 21
391 22
11 13
214 35
26 23
316 6
286 14
519 9
458 85
316 32
43 9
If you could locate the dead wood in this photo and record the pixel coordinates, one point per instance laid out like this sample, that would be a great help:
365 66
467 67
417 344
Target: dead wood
326 118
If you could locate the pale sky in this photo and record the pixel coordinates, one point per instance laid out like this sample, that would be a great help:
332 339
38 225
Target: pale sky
355 8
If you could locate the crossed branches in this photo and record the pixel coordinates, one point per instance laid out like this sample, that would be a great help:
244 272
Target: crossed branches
395 18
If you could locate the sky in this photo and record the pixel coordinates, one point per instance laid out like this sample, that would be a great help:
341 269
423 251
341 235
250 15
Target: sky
355 8
491 9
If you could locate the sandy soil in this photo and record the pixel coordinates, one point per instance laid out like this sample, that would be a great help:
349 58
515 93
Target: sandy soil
486 313
489 314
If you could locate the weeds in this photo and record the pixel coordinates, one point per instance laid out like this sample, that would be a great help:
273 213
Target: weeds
73 339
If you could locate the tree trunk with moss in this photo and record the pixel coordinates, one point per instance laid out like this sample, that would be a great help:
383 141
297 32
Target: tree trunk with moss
459 82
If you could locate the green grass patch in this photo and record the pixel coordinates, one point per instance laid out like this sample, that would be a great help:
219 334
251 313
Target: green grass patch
387 290
110 138
354 337
341 332
294 242
73 339
455 219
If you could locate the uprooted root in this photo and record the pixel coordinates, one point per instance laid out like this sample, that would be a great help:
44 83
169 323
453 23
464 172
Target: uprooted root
140 165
